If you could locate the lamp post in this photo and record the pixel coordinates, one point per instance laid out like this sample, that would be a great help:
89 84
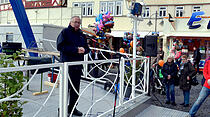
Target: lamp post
135 13
150 23
156 18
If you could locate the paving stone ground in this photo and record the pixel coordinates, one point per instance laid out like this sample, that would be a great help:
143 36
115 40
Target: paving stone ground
161 112
204 110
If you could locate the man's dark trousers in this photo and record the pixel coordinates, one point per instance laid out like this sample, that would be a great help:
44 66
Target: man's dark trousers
196 64
75 76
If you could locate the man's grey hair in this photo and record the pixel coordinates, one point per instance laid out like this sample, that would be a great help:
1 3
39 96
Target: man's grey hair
74 17
170 57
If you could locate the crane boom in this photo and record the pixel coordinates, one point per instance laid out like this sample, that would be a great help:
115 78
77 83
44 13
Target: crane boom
24 25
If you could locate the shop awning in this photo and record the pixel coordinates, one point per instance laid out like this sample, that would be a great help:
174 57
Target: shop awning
190 35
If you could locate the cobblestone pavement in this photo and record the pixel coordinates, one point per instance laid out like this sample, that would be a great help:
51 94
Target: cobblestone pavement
204 110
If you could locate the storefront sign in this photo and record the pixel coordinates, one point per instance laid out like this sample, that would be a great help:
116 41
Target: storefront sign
196 19
34 4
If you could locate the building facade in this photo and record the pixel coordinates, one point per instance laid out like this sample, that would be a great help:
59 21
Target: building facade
40 11
58 12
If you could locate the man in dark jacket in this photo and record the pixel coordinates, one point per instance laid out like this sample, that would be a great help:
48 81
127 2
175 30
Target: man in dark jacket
72 45
161 53
95 56
169 72
196 58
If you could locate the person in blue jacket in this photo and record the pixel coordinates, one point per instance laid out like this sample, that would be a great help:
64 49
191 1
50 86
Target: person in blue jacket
72 45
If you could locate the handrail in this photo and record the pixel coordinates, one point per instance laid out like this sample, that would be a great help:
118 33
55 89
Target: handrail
143 83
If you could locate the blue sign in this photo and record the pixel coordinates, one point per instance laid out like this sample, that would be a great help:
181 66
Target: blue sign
201 64
194 18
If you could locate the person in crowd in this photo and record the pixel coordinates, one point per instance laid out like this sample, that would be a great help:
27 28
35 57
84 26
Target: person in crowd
159 70
72 45
169 72
196 58
95 56
130 50
186 72
161 53
154 63
205 91
140 51
157 77
177 56
106 55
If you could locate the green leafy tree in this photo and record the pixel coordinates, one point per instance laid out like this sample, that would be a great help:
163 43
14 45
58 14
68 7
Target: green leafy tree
10 83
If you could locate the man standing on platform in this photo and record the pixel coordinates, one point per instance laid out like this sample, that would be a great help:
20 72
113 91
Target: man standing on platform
72 45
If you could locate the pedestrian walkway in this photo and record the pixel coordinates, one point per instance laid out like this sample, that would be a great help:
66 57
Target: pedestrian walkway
156 111
204 110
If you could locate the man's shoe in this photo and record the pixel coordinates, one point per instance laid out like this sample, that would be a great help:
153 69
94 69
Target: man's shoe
186 105
173 104
190 116
167 102
77 113
182 103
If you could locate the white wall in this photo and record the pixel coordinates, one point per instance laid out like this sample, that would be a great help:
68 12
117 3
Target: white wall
41 32
57 16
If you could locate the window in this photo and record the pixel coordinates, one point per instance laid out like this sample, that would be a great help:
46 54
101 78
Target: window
9 37
76 5
83 5
162 12
115 7
4 1
179 11
196 8
111 7
118 8
146 12
103 7
89 9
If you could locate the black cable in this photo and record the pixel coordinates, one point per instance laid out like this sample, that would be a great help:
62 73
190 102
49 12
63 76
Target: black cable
118 78
157 99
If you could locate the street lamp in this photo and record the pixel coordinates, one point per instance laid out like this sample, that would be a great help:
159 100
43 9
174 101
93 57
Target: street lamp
150 22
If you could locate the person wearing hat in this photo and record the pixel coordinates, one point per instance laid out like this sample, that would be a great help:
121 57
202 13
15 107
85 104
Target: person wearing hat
169 72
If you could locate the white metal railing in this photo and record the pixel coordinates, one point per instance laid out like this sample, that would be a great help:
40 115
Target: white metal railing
24 68
141 85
